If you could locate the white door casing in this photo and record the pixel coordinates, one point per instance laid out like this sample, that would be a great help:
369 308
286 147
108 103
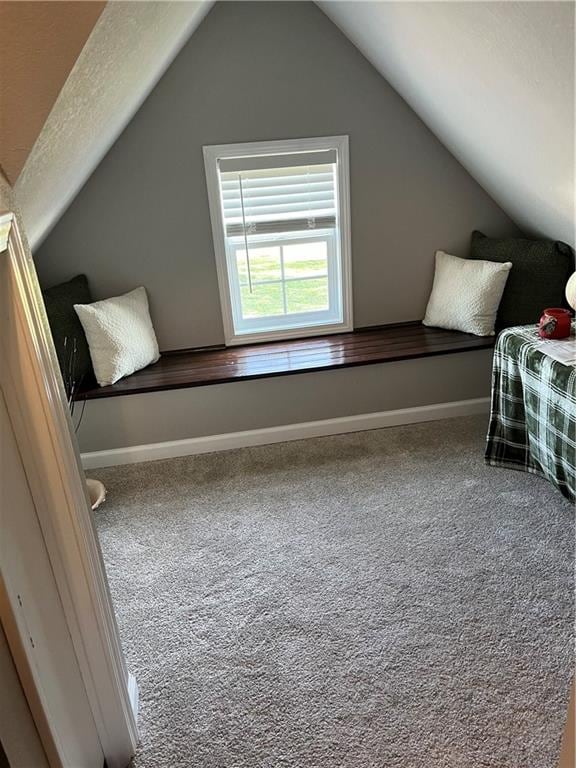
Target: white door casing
29 597
37 408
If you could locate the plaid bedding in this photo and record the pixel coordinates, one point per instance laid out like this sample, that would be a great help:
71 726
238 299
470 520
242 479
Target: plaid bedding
533 417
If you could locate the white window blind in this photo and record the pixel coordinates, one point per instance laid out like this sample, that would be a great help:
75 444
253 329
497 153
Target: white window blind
274 194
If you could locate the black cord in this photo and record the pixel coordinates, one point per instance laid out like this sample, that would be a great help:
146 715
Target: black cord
77 427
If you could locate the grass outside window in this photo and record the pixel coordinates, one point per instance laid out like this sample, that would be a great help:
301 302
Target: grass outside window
283 283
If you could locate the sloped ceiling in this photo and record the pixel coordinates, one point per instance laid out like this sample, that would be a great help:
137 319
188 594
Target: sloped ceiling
495 82
127 52
40 41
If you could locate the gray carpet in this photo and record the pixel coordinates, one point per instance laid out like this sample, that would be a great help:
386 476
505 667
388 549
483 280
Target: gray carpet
376 600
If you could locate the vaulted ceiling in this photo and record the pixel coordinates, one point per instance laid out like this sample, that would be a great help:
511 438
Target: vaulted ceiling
126 54
494 81
40 42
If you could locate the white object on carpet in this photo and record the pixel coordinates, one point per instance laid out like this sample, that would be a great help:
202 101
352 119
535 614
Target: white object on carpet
96 492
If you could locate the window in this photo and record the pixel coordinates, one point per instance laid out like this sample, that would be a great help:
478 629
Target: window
281 227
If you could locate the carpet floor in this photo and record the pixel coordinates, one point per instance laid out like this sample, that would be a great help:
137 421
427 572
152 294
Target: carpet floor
374 600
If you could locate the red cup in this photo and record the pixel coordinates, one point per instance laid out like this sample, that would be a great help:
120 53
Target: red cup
555 323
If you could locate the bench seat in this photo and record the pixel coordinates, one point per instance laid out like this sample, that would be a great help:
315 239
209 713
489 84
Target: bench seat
217 365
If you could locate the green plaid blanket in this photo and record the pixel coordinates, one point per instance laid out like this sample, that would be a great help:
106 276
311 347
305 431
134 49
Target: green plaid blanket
533 418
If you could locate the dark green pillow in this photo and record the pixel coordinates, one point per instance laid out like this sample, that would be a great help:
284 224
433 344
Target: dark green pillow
540 271
65 325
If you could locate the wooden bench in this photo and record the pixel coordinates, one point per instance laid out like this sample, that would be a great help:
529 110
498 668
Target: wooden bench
201 367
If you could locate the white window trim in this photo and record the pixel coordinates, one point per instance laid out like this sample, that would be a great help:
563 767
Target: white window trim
308 320
216 152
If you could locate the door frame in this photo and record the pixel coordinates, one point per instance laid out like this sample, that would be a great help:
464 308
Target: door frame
39 412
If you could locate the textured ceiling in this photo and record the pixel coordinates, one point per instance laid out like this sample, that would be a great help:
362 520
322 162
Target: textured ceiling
495 82
128 51
39 43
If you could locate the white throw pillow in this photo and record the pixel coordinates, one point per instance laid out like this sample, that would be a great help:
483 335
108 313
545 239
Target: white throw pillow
466 294
119 334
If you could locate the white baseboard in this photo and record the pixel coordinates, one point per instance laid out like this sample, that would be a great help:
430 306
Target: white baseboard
210 443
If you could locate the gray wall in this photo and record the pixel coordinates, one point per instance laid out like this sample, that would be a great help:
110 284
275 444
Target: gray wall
142 218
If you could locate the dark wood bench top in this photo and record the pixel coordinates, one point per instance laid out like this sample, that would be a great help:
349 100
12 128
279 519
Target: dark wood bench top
200 367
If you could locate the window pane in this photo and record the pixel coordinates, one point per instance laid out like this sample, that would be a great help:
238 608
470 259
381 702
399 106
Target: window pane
264 264
307 295
266 299
306 259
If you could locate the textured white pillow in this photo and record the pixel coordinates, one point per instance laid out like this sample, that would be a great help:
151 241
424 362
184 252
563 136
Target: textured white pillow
466 294
120 335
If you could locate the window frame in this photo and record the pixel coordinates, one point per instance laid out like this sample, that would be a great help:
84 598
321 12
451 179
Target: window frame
214 153
286 321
